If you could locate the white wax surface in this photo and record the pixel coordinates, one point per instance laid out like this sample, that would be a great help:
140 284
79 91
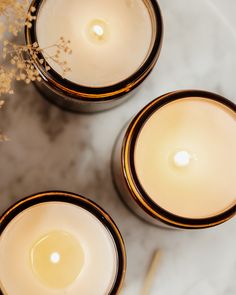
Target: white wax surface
126 42
185 157
100 266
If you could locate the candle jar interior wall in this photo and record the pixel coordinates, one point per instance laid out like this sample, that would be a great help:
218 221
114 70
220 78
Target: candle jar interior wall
75 97
77 201
125 177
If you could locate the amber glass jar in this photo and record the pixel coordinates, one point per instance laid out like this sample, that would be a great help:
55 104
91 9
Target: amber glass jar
125 175
81 98
42 219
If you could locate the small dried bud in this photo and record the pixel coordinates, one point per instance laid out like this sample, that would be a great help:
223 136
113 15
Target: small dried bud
33 9
1 103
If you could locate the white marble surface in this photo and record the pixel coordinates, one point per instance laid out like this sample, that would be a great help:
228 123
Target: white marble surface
53 149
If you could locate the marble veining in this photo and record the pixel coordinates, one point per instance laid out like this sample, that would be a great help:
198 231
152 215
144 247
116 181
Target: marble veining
53 149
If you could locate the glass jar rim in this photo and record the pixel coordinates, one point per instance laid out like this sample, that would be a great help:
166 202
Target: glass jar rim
128 166
98 94
82 202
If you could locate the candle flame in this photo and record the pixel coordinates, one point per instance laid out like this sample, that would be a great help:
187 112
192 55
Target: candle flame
55 257
98 30
182 158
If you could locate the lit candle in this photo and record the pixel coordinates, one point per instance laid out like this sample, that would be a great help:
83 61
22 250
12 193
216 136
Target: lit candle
178 160
59 243
115 44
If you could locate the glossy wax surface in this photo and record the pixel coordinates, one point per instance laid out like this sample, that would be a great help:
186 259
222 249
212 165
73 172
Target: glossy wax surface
57 248
110 39
57 259
185 157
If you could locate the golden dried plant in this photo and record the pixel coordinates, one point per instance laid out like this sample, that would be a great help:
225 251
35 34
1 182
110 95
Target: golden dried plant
14 14
23 57
19 59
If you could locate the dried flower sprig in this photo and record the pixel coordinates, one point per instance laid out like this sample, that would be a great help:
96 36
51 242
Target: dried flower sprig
6 77
14 17
30 17
14 14
21 62
1 103
61 48
23 57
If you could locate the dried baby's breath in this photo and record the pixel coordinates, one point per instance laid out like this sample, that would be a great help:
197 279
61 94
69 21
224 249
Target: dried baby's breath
61 48
23 57
30 17
1 103
20 59
14 14
6 77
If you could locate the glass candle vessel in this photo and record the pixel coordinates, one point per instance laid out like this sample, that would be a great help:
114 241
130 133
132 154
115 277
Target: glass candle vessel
175 164
115 45
60 243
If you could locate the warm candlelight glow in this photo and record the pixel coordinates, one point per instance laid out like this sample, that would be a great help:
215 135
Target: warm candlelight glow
57 259
98 31
175 163
110 40
57 248
182 159
185 157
